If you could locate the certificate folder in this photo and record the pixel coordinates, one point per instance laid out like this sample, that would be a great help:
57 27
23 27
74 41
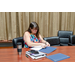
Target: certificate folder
57 57
48 49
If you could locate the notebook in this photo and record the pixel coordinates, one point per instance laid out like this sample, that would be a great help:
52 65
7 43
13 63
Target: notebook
48 49
57 57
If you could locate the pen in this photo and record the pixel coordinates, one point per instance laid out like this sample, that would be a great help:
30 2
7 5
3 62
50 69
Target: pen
26 55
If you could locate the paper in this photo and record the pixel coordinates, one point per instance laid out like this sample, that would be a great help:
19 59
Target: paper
36 48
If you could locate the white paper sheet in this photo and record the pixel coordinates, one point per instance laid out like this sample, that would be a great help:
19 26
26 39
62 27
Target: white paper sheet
36 48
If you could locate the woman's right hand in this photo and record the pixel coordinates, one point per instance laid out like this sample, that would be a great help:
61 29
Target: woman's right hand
43 45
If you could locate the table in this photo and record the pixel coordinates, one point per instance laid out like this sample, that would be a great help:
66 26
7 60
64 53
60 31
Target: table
11 55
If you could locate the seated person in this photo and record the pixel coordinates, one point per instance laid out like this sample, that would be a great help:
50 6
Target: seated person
33 38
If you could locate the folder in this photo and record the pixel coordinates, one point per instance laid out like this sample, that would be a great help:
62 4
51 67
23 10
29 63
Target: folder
48 49
57 57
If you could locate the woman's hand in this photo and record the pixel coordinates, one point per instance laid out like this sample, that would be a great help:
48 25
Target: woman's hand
43 45
47 43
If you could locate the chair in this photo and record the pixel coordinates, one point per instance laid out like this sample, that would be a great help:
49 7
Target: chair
16 40
64 37
54 41
71 40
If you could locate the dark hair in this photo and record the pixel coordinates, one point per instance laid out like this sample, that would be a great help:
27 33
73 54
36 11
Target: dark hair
34 25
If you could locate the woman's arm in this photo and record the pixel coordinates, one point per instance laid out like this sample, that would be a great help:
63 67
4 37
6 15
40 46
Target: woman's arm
43 41
30 43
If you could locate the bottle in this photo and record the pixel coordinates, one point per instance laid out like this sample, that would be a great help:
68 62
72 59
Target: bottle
19 48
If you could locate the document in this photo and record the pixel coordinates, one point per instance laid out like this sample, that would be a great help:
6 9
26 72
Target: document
36 48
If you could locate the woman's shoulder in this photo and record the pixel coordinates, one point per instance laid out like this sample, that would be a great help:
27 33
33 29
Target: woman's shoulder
27 32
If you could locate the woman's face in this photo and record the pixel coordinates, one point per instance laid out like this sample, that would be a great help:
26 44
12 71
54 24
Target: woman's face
34 30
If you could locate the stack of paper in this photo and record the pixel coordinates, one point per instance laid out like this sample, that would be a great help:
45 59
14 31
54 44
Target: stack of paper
36 48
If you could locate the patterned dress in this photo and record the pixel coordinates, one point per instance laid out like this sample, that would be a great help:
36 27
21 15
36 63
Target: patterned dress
34 39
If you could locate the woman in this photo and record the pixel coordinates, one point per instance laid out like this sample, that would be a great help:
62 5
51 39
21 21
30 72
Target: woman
33 38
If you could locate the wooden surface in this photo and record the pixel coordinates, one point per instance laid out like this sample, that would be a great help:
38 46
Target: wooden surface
5 41
5 47
10 54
